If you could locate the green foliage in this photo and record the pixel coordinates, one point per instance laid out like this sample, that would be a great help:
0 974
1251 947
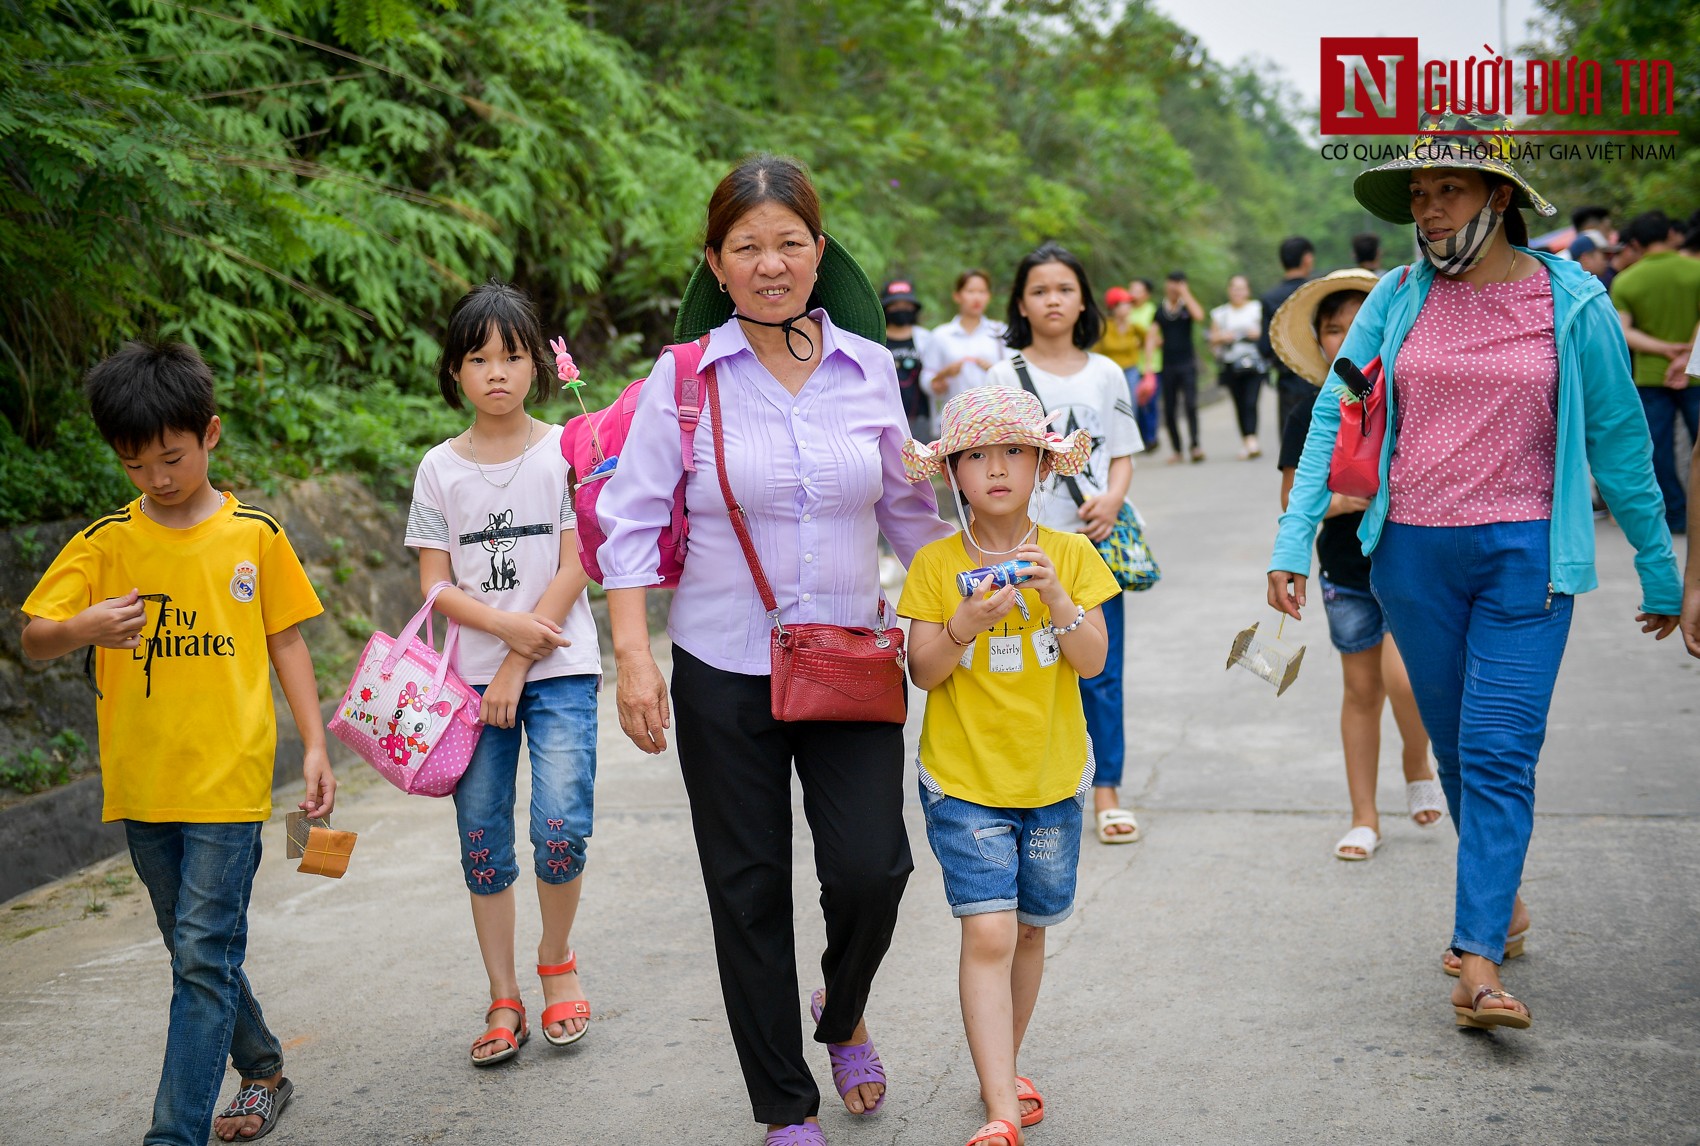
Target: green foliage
38 769
1609 30
302 189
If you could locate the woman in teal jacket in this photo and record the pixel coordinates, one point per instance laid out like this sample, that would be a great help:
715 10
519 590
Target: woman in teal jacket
1507 384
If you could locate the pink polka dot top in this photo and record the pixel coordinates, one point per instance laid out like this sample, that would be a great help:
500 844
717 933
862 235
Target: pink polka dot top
1477 386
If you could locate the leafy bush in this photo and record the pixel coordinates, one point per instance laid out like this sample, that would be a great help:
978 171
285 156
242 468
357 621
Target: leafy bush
39 769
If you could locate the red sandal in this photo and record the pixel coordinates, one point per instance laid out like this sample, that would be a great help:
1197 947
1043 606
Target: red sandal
501 1034
1024 1089
562 1011
997 1128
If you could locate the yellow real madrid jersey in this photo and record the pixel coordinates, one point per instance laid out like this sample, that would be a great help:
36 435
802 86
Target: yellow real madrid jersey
187 731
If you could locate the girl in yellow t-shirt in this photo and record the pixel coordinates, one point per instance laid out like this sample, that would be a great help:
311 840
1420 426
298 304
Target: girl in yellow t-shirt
1005 762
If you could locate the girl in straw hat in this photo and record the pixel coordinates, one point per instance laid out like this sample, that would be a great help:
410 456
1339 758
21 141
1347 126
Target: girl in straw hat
1507 383
1005 761
1306 333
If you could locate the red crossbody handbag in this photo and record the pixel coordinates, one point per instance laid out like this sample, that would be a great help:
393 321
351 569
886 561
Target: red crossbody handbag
820 672
1355 468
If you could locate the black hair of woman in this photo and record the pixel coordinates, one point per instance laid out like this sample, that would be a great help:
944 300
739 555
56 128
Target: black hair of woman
1516 227
503 307
1088 328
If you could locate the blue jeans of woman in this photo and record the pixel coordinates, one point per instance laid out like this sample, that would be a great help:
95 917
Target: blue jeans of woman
558 716
1102 698
199 877
1482 635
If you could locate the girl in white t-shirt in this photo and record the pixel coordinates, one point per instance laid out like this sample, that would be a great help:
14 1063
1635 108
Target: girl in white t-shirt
1053 319
491 515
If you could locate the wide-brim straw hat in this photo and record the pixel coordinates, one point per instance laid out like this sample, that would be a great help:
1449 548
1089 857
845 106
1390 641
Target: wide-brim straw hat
996 416
1385 191
1292 332
841 287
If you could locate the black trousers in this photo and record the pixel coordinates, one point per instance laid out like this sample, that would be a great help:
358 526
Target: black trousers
1179 387
737 760
1244 385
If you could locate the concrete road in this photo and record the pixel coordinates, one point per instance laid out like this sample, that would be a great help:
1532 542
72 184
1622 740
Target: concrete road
1224 981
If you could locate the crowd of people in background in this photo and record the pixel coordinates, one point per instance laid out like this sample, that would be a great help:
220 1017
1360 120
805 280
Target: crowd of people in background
1651 267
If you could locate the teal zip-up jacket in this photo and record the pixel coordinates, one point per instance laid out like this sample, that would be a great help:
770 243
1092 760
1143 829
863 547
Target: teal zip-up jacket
1601 428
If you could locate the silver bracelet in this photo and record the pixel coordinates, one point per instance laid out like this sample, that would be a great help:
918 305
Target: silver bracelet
1079 619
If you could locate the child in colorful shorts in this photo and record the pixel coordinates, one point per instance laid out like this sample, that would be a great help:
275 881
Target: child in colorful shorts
491 515
1005 762
186 599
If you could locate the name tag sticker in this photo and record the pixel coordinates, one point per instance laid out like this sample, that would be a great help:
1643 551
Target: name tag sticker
1045 647
1004 654
966 660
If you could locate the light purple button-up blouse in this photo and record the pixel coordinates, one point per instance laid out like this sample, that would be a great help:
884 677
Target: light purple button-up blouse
820 475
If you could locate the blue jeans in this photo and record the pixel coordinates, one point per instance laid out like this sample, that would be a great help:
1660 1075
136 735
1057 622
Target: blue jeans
1482 636
1144 413
1101 697
199 877
1662 406
558 716
1356 620
1025 860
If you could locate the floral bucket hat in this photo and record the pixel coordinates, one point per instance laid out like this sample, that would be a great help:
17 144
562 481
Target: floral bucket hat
1385 190
994 416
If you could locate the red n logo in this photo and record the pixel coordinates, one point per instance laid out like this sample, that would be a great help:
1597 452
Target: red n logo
1369 85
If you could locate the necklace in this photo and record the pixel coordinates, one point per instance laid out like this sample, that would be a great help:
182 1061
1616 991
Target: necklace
1513 266
530 428
984 552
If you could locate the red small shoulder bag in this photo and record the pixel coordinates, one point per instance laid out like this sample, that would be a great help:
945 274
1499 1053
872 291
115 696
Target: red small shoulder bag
1355 468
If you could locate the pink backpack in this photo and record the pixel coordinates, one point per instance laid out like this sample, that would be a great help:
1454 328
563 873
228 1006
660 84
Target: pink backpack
591 444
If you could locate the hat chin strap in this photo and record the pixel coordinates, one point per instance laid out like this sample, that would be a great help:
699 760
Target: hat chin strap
789 326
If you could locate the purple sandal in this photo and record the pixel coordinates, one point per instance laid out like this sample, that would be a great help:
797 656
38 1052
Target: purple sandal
802 1134
852 1065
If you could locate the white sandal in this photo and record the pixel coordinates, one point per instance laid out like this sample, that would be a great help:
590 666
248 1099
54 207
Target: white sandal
1359 837
1425 796
1111 817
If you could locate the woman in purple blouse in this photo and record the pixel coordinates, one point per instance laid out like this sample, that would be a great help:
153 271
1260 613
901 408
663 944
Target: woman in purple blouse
813 426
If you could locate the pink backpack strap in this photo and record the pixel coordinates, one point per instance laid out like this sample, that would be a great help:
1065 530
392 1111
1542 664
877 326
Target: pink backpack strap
687 393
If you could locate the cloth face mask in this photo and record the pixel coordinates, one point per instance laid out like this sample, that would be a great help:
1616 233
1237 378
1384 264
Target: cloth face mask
1461 250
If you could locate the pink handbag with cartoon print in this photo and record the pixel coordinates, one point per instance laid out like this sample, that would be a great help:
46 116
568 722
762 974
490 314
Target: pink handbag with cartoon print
407 713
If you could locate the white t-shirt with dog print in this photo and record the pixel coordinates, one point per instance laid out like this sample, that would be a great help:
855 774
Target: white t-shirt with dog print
504 545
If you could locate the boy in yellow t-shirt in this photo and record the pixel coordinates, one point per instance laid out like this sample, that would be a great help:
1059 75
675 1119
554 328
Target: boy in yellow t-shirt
1005 761
186 599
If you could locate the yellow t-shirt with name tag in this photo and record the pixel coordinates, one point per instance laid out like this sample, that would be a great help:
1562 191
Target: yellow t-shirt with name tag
1006 729
187 730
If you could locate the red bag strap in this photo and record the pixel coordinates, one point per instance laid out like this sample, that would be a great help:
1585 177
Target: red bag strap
687 395
733 509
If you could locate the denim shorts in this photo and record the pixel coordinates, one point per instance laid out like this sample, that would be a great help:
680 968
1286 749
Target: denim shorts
558 717
1356 623
1023 860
